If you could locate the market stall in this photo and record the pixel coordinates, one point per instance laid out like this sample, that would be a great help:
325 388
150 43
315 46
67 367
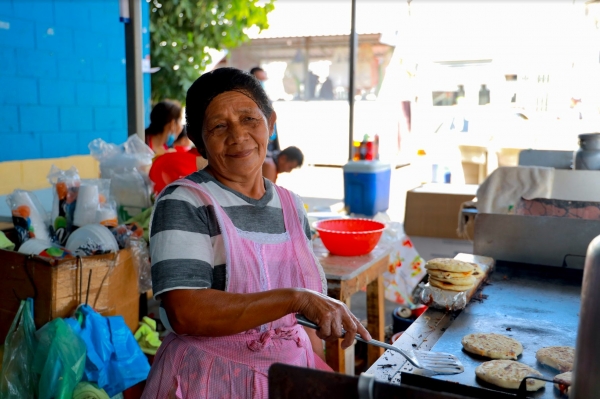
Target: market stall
75 264
533 297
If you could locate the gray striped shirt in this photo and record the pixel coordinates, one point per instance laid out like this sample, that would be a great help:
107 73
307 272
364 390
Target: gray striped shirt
186 245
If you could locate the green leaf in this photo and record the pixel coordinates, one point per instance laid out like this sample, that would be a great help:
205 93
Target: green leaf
194 25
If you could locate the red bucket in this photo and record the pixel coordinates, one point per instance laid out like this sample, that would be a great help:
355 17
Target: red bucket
349 237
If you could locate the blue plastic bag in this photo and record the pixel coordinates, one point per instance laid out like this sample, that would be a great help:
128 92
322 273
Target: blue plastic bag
17 379
59 360
114 359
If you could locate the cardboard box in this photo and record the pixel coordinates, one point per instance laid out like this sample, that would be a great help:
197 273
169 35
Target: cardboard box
56 286
432 209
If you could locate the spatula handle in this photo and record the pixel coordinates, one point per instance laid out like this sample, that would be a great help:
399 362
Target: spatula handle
303 321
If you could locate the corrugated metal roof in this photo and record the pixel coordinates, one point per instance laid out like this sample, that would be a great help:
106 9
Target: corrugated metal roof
294 18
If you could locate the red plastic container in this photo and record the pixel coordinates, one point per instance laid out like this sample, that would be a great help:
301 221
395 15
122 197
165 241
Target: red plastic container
349 237
419 310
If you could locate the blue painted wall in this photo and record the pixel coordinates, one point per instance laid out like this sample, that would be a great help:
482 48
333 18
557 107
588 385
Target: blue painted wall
62 77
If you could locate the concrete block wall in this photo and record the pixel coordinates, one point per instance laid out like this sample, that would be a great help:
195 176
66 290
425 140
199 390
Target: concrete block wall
62 77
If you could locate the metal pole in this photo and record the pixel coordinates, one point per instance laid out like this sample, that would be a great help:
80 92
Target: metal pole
353 51
133 59
586 383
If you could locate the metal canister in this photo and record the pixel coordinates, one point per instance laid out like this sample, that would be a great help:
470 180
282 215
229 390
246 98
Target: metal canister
586 384
587 157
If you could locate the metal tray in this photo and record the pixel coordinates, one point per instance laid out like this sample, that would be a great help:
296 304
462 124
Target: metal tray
537 305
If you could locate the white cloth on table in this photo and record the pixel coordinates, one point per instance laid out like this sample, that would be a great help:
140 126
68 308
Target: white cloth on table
502 190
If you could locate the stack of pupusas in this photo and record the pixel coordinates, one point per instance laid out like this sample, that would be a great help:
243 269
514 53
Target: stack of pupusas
452 274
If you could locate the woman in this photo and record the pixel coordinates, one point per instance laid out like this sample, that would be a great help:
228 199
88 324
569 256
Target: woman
231 260
165 125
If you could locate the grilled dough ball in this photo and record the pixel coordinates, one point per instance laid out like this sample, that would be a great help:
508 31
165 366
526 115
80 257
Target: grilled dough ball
557 357
450 265
494 346
564 378
508 374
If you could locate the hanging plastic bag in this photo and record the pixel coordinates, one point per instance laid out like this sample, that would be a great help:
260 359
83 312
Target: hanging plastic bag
114 359
131 236
406 267
141 259
17 379
65 189
59 360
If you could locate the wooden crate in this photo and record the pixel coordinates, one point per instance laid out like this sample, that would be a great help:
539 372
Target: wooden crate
55 286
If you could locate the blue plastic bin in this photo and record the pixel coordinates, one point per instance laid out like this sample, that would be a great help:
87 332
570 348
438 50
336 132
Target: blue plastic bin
367 187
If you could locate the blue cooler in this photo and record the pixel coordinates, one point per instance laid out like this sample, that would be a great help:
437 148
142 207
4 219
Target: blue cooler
367 187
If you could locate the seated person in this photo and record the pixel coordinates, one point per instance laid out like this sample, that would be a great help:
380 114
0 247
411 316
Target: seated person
284 162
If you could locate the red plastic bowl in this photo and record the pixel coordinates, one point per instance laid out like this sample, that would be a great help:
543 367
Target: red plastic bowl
349 237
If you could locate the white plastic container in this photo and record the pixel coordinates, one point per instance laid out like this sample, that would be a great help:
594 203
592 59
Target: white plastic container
86 206
97 233
34 246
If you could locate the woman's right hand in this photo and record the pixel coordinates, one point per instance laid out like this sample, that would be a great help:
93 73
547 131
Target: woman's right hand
331 315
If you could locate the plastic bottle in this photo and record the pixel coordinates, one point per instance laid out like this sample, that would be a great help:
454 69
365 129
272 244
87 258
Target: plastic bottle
370 151
447 175
356 151
363 147
423 167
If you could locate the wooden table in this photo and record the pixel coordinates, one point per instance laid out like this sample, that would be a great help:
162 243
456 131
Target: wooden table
346 275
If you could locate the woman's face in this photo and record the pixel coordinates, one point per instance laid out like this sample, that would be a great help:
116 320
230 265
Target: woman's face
236 134
176 126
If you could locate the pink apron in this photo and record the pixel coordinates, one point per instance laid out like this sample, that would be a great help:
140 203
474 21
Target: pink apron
236 366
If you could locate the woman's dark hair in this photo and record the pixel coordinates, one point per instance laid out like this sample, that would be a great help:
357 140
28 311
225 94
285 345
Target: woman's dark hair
162 114
293 154
183 134
209 86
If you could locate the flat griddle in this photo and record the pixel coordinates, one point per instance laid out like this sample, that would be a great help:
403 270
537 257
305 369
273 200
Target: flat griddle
537 305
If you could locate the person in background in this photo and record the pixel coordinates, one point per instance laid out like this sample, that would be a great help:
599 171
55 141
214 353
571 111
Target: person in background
286 161
175 165
183 142
165 124
326 92
273 148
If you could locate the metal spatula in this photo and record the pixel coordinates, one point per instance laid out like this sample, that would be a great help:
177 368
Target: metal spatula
436 362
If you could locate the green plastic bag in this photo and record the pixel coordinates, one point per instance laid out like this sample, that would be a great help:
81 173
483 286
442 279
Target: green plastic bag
59 360
17 379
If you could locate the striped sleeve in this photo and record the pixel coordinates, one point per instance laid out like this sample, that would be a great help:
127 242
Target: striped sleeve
303 215
181 242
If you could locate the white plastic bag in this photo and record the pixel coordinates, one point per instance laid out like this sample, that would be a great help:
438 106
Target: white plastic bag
406 267
29 217
65 190
127 165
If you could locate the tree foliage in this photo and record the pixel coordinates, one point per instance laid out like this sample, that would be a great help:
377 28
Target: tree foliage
182 32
